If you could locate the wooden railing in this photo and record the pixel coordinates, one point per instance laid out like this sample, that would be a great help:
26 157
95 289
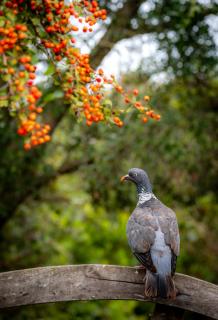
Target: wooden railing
100 282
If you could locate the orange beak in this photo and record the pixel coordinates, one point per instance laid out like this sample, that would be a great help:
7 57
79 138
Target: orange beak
123 178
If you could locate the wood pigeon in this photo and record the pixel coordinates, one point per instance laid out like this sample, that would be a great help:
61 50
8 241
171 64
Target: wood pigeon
153 237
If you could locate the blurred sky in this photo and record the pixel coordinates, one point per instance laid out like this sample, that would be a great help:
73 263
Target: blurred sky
131 54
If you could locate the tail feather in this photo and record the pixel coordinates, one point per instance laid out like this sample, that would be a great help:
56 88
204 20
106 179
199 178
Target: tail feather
157 285
162 286
171 289
151 289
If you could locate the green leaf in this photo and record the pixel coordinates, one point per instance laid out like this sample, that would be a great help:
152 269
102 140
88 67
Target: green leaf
3 103
53 96
2 21
107 102
50 70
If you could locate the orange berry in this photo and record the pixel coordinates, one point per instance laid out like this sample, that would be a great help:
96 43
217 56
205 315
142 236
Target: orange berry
41 140
157 117
39 109
88 123
34 143
120 124
116 119
21 74
146 98
30 98
39 134
119 89
47 138
74 28
32 107
20 88
37 126
27 146
47 127
58 58
22 35
100 72
137 104
11 70
135 92
21 131
149 113
94 3
32 76
32 116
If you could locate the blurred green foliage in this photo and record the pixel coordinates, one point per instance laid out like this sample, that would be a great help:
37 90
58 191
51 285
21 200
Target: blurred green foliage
186 36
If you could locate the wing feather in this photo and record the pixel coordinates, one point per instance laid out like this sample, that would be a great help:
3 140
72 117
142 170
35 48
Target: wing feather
169 226
173 263
141 229
146 260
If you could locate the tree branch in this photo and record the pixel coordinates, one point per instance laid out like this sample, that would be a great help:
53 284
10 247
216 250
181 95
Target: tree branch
39 182
119 28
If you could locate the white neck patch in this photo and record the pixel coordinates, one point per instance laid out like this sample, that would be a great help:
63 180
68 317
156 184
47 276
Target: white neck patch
145 196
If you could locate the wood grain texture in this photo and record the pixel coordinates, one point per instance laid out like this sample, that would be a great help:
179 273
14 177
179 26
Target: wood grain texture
99 282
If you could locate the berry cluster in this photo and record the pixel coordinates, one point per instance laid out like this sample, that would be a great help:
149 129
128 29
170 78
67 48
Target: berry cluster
52 23
20 74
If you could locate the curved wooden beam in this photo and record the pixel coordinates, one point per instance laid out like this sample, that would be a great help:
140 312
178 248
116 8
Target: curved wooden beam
99 282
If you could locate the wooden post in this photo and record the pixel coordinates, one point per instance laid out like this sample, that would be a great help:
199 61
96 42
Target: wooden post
100 282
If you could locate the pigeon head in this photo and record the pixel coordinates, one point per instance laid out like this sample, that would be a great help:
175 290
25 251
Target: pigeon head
140 178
